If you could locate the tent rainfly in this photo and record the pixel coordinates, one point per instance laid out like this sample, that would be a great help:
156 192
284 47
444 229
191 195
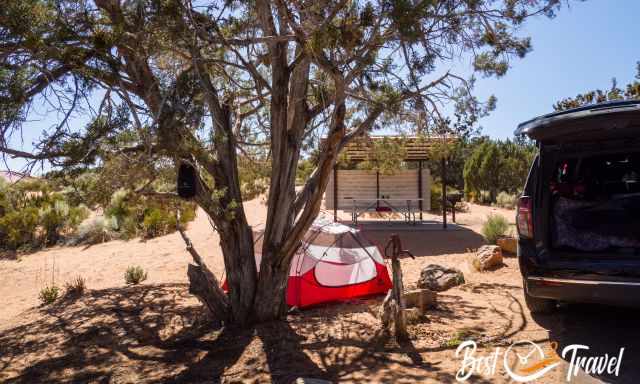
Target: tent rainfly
334 263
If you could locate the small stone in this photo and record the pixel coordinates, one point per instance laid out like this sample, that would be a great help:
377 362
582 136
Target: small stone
413 315
438 278
487 257
421 299
308 380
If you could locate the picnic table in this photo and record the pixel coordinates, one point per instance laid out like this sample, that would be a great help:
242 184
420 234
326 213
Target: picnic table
406 207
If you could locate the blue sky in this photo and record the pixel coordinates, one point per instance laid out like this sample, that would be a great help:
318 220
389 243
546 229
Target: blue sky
582 48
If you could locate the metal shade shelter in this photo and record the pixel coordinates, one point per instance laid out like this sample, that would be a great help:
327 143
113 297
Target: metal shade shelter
416 148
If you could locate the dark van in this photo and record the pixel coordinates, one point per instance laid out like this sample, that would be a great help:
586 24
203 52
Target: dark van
578 219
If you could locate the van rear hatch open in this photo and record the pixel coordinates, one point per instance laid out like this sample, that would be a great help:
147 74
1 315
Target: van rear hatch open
587 191
615 120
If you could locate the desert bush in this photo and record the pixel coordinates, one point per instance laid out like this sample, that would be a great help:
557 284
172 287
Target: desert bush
495 227
48 295
18 228
75 288
505 200
157 222
135 275
58 218
5 197
31 214
94 231
119 207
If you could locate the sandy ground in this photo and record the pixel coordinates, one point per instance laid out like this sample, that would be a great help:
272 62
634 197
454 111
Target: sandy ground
155 332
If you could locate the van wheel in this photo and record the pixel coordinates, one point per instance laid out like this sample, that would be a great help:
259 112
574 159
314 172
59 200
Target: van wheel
538 305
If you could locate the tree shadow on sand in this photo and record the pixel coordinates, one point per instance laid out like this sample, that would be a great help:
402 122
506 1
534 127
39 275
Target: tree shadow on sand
603 329
431 243
157 333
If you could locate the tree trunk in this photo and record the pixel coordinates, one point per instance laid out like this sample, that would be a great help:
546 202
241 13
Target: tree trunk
271 301
241 274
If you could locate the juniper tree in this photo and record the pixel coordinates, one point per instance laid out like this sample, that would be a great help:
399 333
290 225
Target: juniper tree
630 92
222 84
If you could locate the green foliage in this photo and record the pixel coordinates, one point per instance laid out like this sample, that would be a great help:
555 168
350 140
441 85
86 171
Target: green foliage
119 208
156 222
482 169
461 336
57 217
456 154
630 92
99 229
32 214
436 198
18 228
497 166
48 295
385 156
135 275
506 200
305 169
129 215
495 227
254 176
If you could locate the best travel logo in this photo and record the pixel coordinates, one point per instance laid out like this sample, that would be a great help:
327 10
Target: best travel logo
533 362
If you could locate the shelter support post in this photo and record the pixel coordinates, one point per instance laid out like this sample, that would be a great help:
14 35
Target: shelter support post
377 189
420 187
453 213
335 193
443 164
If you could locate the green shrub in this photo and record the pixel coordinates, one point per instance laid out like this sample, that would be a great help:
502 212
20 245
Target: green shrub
119 208
48 295
505 200
75 288
58 218
135 275
97 230
495 227
18 228
158 221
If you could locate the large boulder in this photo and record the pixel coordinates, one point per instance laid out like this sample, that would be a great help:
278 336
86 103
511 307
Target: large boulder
487 257
438 278
422 299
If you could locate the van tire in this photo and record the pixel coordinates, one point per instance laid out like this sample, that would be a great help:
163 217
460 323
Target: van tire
538 305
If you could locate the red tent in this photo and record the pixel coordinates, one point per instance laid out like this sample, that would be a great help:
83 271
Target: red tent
334 263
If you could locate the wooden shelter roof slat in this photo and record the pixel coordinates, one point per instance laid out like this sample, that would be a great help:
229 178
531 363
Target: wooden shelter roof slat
417 148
